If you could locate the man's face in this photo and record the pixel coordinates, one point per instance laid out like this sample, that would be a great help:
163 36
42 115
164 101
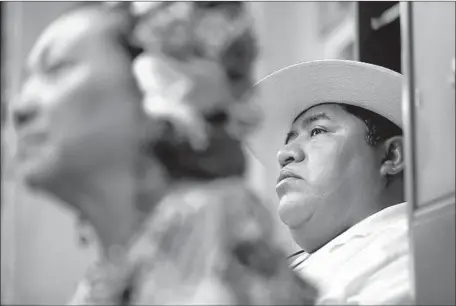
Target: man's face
339 173
78 109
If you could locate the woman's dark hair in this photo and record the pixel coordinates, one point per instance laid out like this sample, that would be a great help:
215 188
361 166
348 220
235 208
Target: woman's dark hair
224 156
122 36
131 50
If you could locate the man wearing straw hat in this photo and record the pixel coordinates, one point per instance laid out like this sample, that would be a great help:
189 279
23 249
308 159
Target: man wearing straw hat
333 128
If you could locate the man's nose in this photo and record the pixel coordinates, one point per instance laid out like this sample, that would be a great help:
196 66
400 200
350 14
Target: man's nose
290 153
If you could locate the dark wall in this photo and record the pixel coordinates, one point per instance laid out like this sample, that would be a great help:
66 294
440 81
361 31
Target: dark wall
383 46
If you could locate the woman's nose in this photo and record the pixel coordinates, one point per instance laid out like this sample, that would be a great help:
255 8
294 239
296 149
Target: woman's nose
290 153
23 111
23 116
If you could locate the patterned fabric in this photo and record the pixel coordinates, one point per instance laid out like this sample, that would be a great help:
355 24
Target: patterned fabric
366 265
206 244
197 61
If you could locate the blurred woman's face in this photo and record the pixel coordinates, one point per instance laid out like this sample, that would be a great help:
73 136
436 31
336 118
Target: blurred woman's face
79 110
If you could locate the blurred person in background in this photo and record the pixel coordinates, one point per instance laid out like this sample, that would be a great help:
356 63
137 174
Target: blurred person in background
134 116
336 126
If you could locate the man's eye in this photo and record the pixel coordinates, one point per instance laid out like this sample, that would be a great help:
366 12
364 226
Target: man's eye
316 131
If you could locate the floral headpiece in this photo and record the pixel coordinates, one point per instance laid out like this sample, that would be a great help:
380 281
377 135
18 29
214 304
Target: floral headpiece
196 66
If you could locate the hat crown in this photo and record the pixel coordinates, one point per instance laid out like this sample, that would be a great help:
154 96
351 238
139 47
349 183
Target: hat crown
286 93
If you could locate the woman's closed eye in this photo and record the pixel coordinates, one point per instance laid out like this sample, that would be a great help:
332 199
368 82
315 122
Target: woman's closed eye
57 67
316 131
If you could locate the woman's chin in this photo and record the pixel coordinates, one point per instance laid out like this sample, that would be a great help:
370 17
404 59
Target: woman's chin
36 173
33 177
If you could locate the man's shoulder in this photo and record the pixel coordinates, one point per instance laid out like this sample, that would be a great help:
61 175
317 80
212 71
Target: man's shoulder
385 231
360 249
390 238
354 265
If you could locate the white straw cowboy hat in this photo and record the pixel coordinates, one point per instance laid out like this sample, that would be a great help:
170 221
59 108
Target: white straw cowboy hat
286 93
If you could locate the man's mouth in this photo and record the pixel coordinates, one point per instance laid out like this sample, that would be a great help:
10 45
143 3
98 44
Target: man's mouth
285 174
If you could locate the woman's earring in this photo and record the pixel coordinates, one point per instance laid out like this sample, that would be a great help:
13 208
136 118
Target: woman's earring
83 231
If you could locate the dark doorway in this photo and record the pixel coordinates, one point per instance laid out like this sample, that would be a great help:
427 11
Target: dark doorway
379 38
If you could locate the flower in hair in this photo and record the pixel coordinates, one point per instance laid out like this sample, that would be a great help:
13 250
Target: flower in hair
197 61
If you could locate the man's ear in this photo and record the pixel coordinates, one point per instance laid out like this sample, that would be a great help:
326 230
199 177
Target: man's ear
393 162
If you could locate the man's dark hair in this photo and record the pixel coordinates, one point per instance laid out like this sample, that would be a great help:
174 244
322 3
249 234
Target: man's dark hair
223 157
378 127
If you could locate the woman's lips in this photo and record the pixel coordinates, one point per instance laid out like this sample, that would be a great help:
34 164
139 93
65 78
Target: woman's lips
28 142
32 138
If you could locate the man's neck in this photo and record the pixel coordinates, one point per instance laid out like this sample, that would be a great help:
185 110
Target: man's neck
394 194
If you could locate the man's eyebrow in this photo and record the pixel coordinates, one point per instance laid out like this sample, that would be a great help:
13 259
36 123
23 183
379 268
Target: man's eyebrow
306 122
313 118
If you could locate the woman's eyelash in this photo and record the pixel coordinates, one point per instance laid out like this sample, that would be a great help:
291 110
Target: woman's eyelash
54 66
57 66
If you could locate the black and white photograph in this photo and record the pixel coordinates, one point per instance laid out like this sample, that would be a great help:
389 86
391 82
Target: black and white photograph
227 153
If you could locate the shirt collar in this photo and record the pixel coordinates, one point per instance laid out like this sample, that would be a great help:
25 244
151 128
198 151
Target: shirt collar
383 218
386 217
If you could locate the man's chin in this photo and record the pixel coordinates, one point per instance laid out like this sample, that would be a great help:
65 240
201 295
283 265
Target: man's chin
294 211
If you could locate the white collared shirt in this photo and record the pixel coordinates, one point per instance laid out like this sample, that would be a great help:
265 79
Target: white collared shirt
367 264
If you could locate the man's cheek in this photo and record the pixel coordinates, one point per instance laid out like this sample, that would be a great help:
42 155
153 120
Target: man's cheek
321 169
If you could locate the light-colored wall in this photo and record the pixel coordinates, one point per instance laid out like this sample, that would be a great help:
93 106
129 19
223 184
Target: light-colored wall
288 34
40 237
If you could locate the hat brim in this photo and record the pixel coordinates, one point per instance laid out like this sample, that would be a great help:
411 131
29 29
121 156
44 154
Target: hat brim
285 94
